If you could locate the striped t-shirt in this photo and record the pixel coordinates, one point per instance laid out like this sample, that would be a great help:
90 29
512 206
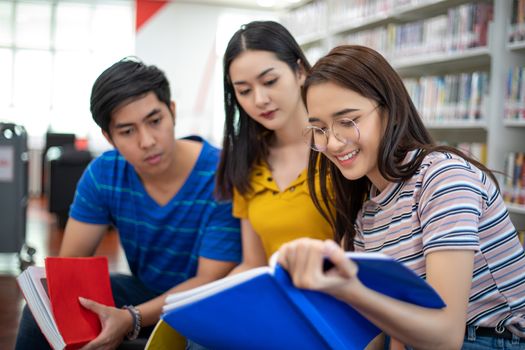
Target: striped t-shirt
451 204
162 243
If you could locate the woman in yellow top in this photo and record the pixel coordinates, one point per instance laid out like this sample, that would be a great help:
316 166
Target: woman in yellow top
264 160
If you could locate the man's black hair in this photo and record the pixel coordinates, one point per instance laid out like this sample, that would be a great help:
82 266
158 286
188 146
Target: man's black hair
125 80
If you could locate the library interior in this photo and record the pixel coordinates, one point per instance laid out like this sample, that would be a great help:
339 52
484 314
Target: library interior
462 62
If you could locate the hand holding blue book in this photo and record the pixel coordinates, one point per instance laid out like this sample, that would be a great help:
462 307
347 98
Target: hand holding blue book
262 309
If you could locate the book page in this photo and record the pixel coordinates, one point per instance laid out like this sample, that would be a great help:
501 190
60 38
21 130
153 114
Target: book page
367 255
177 299
327 265
33 283
38 278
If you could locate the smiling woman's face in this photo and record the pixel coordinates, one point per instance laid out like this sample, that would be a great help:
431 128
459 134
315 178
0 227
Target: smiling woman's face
327 102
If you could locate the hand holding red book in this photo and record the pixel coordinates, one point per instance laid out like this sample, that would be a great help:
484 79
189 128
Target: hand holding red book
71 278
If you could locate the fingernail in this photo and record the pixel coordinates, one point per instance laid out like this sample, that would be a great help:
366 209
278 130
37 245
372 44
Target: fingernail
82 299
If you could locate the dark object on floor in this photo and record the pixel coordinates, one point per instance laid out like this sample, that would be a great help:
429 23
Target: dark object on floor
14 160
53 139
65 166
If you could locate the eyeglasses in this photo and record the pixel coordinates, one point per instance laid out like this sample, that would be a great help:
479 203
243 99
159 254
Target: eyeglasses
345 130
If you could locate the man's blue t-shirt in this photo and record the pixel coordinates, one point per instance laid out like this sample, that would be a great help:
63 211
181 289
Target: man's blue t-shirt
162 243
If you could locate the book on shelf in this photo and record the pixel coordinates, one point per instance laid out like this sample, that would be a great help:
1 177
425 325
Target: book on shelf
262 309
515 94
514 183
451 97
517 25
52 293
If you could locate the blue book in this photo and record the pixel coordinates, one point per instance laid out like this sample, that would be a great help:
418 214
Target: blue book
262 309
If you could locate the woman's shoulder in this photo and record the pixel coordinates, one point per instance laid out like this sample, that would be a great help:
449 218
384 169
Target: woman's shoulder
443 156
441 159
449 167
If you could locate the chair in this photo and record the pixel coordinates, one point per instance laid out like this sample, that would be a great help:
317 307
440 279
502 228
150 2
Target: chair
53 139
65 165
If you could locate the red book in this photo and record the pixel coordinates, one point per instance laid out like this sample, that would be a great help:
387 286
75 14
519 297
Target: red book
67 280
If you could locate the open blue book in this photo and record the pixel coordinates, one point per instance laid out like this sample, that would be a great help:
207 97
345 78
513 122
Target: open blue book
261 309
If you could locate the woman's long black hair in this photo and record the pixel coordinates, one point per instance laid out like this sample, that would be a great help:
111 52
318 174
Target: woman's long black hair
245 141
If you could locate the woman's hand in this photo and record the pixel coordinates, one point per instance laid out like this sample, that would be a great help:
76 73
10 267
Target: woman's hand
116 323
303 258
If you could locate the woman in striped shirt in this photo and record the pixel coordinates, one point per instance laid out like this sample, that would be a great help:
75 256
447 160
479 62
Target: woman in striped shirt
431 207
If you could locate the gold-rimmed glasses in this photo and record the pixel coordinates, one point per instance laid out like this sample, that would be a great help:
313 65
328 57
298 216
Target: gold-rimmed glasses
344 129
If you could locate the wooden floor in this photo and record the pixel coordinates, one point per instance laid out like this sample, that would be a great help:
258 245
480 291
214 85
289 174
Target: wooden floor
43 235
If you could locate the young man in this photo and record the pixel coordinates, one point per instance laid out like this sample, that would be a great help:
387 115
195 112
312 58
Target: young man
157 191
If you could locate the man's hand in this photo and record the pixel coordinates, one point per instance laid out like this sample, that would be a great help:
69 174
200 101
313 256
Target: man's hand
116 323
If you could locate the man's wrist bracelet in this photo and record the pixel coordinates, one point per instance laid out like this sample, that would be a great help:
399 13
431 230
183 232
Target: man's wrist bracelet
137 321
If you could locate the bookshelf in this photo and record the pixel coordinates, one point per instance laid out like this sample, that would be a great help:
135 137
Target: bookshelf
515 208
454 125
514 109
446 54
515 123
517 46
437 62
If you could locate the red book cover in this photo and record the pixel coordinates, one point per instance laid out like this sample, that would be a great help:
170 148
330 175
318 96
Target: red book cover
68 279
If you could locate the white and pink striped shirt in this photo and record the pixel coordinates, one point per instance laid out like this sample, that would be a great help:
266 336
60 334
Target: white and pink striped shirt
451 204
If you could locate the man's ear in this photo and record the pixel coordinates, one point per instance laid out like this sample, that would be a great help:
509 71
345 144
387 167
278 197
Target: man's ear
172 110
108 138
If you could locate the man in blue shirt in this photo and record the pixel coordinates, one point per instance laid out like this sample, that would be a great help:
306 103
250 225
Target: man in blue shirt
157 191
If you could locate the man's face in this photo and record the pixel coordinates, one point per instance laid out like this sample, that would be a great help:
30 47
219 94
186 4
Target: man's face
143 132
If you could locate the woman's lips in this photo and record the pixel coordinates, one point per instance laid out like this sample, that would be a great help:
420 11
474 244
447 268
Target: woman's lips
268 115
